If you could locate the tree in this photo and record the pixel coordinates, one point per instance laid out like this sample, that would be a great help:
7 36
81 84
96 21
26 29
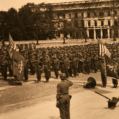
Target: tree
14 26
3 24
26 17
37 20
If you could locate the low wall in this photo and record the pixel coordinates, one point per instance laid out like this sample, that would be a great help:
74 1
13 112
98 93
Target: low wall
59 42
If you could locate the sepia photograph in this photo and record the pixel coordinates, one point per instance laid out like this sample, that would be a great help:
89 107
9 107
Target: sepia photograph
59 59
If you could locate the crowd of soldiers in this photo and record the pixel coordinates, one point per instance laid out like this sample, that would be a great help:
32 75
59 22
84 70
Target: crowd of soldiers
71 60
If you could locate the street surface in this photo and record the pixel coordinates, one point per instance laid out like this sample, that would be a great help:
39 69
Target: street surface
37 100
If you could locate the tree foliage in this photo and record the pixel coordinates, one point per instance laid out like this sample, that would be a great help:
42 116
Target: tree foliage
30 22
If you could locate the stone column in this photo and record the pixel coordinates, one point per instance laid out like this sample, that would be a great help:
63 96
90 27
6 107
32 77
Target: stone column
88 33
101 33
108 31
94 34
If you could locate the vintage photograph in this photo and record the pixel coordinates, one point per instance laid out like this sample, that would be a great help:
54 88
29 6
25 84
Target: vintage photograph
59 59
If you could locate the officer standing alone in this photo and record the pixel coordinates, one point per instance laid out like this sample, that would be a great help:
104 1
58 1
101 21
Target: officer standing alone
63 97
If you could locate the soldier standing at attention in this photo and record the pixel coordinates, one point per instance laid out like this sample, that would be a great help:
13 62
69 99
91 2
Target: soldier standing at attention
47 68
4 60
55 66
34 61
25 54
63 97
103 72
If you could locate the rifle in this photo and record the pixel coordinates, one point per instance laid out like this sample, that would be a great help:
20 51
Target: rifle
111 102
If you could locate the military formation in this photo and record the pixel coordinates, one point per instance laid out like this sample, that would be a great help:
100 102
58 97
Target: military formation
63 62
71 60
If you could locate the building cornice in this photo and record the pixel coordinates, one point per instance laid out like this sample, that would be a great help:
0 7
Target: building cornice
81 5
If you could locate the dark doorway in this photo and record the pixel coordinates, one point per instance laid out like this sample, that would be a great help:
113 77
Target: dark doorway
98 33
105 34
91 33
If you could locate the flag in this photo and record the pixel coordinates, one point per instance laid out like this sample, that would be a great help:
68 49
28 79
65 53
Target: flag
112 69
18 65
103 50
11 42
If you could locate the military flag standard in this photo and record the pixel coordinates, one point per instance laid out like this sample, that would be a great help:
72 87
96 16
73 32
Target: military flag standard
11 42
111 67
103 50
17 58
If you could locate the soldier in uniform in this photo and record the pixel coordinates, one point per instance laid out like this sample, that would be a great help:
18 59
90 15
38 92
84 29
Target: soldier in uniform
81 64
55 66
75 66
103 72
25 54
34 61
0 57
66 65
4 60
116 76
63 97
47 68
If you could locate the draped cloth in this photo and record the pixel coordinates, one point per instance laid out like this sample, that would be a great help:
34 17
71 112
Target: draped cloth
18 65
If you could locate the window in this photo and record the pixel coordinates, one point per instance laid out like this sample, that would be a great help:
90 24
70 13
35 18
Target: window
109 13
95 15
109 23
76 23
69 15
82 23
89 24
76 15
95 23
101 14
88 14
115 12
102 23
115 22
55 16
61 16
105 13
92 14
82 14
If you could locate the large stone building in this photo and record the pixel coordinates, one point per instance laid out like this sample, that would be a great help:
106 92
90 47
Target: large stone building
84 19
88 19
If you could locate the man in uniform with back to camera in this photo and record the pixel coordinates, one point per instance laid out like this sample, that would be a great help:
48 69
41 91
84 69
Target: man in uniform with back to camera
63 97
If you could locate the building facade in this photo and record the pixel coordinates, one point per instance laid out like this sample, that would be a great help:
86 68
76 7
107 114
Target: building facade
91 19
86 19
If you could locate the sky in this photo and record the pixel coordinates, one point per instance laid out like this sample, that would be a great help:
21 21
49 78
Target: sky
7 4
